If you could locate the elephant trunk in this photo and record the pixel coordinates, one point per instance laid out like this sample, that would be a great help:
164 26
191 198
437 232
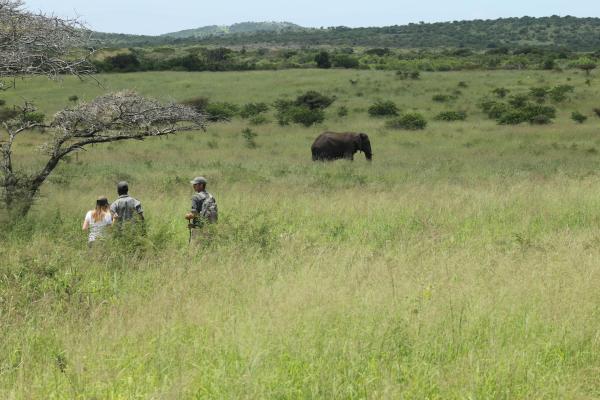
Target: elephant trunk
367 150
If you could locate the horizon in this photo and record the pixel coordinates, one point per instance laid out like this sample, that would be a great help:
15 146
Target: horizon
153 18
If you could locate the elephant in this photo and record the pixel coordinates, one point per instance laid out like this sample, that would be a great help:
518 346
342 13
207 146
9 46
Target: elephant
333 145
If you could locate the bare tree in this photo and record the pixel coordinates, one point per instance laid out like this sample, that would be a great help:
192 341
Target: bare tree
109 118
36 44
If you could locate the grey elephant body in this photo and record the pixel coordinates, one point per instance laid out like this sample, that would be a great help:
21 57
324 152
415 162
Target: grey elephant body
333 146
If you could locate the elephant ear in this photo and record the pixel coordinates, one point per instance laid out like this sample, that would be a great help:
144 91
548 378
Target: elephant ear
363 137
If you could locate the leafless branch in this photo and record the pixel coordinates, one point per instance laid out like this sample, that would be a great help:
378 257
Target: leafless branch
109 118
38 44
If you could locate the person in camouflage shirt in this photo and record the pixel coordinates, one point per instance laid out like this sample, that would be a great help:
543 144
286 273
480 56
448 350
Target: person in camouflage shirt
125 208
203 209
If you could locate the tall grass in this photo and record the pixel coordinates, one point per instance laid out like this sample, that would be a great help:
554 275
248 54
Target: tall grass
461 263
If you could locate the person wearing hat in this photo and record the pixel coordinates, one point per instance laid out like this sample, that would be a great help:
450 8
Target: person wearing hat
97 220
203 210
125 208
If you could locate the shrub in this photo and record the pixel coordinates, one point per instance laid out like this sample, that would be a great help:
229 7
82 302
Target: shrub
559 93
253 109
345 61
597 112
463 84
34 117
123 62
540 120
578 117
314 100
322 60
306 116
441 98
539 94
383 108
342 111
518 100
221 111
289 111
410 121
258 119
249 135
408 74
197 103
500 92
73 98
2 103
381 52
451 116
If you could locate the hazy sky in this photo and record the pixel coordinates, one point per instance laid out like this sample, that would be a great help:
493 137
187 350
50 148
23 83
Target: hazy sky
155 17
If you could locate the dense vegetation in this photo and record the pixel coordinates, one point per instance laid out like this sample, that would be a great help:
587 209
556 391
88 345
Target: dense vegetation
578 34
407 63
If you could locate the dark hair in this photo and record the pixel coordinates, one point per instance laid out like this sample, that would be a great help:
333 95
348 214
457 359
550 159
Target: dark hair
101 201
122 188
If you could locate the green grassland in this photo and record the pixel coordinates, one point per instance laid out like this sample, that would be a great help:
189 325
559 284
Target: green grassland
462 263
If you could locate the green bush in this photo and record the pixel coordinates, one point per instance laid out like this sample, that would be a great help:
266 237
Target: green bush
253 109
342 111
409 121
259 119
518 100
559 93
314 100
383 108
289 111
345 61
221 111
306 116
539 94
34 117
249 135
597 112
73 98
578 117
441 98
451 116
500 92
322 60
2 103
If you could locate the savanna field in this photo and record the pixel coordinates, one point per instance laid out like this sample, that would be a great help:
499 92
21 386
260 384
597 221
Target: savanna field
462 263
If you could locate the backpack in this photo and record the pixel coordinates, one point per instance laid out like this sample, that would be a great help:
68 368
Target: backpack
209 209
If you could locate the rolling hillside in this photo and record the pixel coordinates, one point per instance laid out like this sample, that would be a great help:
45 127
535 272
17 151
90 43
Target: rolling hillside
579 34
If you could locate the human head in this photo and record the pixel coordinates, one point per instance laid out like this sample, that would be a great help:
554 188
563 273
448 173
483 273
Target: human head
101 202
199 183
122 188
101 208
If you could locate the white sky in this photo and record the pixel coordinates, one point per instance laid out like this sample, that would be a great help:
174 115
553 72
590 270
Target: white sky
153 17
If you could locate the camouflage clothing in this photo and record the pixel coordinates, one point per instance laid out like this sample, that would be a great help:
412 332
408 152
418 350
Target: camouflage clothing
126 207
204 208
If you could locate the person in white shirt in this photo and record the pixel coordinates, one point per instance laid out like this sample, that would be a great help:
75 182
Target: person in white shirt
97 220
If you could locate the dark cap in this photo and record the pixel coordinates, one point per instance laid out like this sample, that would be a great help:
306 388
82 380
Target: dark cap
101 201
197 180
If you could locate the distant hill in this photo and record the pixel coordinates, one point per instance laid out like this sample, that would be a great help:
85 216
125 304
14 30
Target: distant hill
239 28
578 34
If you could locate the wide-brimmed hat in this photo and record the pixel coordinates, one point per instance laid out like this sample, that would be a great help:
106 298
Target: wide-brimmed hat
101 201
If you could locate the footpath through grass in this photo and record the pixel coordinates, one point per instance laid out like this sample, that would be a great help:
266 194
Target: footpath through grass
461 263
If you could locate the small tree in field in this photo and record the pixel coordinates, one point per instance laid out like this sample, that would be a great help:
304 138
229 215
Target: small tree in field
35 44
585 64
